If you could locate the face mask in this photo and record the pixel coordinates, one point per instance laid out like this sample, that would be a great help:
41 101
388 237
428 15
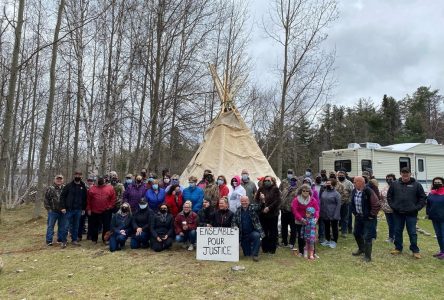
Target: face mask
101 181
125 209
143 206
267 183
192 184
332 176
128 181
163 210
307 174
174 181
328 187
289 176
143 174
166 180
341 178
220 181
245 177
437 186
113 181
139 181
318 180
77 179
293 182
389 181
155 186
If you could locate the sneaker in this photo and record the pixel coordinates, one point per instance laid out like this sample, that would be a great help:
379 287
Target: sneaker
417 255
256 258
316 256
184 246
190 247
48 243
332 244
325 243
434 255
389 240
344 235
395 252
291 246
441 256
63 245
75 243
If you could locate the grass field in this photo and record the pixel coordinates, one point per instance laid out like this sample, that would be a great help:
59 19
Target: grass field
34 271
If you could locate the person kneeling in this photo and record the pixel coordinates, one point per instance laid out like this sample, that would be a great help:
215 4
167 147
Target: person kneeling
250 230
141 225
162 229
185 226
121 224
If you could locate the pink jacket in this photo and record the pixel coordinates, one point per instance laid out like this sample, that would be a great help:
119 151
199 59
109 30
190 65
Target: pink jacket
299 210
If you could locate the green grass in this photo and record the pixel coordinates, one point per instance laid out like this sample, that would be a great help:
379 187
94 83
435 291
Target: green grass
176 274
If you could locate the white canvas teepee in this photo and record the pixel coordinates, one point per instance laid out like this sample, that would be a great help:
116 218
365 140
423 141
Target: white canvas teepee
228 145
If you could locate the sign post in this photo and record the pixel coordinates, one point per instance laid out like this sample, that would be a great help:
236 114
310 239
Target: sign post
217 243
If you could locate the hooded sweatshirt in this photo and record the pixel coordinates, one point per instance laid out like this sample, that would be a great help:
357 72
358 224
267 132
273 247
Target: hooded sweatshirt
435 205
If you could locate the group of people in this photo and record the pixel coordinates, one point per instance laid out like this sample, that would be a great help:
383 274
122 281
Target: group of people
155 212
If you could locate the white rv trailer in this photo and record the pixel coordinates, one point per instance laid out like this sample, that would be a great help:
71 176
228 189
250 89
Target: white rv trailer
426 160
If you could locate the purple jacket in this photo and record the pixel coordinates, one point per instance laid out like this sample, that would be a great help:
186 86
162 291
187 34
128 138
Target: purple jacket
133 194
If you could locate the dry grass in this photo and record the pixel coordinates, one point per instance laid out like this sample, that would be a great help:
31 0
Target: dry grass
93 272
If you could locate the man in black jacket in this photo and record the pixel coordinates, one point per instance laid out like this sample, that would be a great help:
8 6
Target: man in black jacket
73 204
406 197
365 206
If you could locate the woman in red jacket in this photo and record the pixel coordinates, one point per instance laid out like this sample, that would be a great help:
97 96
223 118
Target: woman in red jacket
222 183
173 199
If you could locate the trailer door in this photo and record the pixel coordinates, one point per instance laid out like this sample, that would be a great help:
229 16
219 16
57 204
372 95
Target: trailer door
421 170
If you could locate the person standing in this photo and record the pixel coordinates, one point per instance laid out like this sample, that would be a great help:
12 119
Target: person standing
237 192
406 197
134 193
73 204
52 205
223 189
119 189
173 199
155 195
248 185
288 192
389 179
345 201
211 191
435 212
365 207
101 201
269 198
330 209
193 193
250 230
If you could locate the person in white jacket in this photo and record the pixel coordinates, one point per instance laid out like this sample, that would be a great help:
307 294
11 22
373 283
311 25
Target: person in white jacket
237 192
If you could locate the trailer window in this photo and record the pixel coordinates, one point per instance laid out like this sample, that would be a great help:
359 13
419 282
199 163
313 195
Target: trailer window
344 164
420 165
404 162
366 164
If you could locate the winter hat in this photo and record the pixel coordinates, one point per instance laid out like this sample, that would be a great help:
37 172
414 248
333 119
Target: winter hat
310 210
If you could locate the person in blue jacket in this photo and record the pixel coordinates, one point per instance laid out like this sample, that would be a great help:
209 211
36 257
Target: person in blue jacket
435 212
155 195
121 225
193 193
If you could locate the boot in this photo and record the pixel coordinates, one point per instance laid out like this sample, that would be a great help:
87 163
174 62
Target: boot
368 252
360 242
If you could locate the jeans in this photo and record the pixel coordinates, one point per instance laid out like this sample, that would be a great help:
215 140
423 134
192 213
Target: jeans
408 221
334 226
287 218
391 225
350 218
82 226
300 234
117 241
270 227
72 223
321 230
250 243
140 241
188 236
96 221
60 218
344 217
439 231
365 229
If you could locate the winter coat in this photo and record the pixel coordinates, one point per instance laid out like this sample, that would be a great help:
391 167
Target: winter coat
330 205
162 225
195 195
142 219
52 197
272 200
73 196
346 191
288 194
250 189
206 216
383 201
120 222
133 194
370 203
234 197
222 218
299 209
155 199
406 197
253 210
119 189
435 205
101 198
223 191
192 220
174 203
211 193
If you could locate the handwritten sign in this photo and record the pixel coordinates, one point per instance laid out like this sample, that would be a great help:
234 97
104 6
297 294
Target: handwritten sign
217 243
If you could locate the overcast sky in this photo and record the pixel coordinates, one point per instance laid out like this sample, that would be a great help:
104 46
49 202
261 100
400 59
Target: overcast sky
382 47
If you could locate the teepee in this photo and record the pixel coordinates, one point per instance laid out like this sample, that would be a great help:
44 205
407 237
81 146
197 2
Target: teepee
228 146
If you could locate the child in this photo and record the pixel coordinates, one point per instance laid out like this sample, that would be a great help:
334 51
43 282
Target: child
310 233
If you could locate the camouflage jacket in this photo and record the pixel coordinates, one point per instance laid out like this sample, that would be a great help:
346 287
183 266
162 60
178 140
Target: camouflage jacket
119 189
345 189
211 193
52 197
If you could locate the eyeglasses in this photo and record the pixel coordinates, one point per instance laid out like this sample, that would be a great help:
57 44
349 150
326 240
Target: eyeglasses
305 191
